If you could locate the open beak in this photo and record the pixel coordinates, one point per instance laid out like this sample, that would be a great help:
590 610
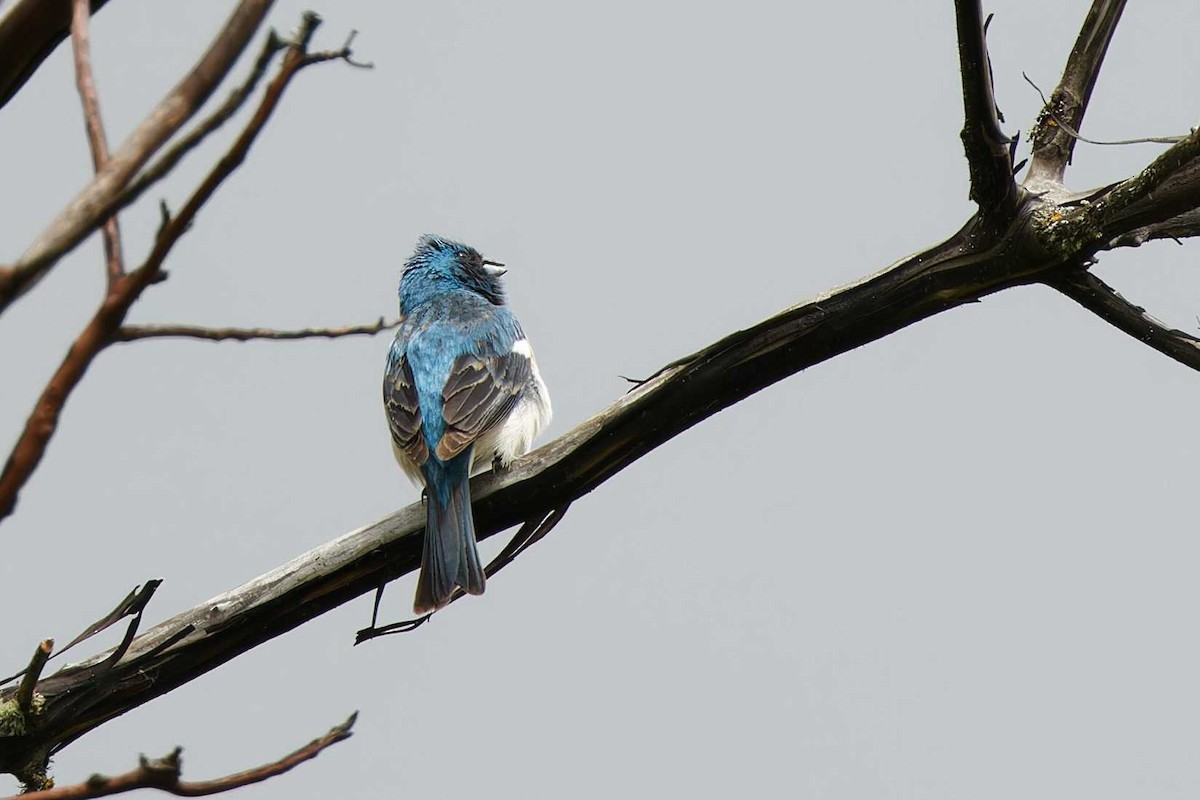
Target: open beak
494 268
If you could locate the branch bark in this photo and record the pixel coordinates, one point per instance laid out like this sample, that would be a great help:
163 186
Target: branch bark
98 199
1052 145
986 146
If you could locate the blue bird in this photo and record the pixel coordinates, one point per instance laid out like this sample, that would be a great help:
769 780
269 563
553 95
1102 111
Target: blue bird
461 390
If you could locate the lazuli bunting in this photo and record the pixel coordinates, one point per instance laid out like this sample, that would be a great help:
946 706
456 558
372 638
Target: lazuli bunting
461 391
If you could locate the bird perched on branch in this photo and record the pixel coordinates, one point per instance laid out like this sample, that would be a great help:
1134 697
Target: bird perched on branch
461 391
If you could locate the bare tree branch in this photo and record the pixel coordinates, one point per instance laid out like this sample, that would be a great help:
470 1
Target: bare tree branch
1055 131
39 429
94 124
1103 301
98 199
175 153
131 333
1183 226
986 146
164 773
30 30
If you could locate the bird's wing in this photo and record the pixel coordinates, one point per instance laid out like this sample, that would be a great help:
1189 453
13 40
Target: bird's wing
480 392
403 410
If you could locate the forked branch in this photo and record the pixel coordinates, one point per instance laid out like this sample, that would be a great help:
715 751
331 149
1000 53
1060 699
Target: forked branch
102 329
98 200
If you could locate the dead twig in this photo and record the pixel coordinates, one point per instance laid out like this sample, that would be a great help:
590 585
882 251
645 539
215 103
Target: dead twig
164 773
132 333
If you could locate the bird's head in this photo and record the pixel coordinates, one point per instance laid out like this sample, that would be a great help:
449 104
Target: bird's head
440 265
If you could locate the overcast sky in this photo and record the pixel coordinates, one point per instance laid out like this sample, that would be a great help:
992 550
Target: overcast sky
979 532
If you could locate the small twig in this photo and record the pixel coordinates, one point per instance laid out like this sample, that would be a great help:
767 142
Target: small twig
1052 137
164 773
131 333
1102 300
1074 134
25 691
98 143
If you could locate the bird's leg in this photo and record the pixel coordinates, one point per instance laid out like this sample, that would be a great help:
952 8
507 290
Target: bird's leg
498 466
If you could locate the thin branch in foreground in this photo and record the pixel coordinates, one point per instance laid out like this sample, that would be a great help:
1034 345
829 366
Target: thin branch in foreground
42 423
85 82
986 146
164 773
1102 300
132 333
1053 138
98 199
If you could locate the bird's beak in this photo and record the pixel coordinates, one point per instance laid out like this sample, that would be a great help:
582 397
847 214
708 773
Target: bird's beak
494 268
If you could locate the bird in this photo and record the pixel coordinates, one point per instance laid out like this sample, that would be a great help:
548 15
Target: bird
461 391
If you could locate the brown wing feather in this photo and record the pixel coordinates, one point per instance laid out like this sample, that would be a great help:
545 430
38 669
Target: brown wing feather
404 413
478 394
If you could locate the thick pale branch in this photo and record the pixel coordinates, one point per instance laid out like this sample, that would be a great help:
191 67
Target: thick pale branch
98 200
1103 301
131 333
986 146
30 30
1052 145
164 773
94 125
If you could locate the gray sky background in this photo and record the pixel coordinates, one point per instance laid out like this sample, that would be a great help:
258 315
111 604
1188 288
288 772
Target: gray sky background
957 562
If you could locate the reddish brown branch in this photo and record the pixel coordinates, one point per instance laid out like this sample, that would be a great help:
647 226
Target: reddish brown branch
99 199
130 333
101 331
94 124
1054 134
163 774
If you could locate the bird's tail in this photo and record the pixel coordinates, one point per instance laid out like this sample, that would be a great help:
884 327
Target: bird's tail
450 558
